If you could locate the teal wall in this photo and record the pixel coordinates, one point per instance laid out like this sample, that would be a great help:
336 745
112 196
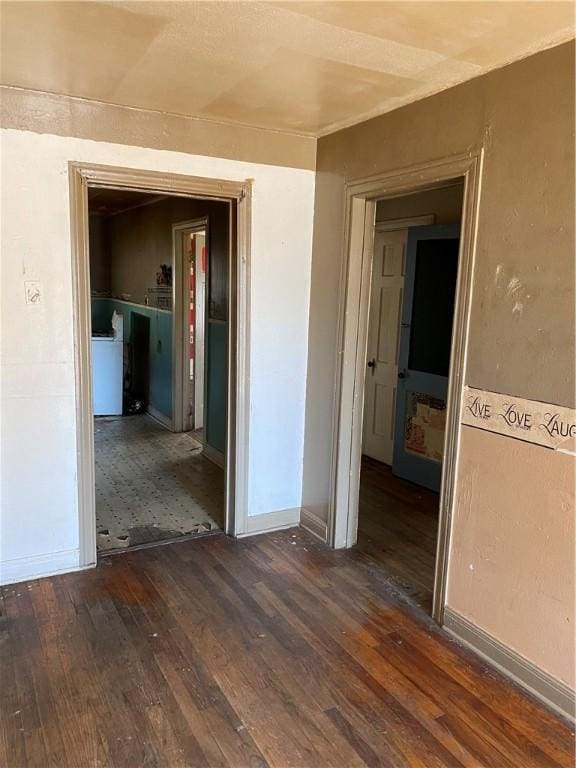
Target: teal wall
216 364
160 394
125 253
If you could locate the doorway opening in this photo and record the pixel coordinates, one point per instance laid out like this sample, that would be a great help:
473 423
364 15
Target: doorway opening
159 475
410 320
403 327
190 244
226 350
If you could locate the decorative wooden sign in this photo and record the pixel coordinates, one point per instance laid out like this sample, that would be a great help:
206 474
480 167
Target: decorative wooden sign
552 426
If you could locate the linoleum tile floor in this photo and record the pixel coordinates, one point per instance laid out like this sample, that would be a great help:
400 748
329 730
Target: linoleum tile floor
152 484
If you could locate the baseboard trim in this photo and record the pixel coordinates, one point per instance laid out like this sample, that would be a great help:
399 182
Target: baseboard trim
160 417
552 692
314 524
213 455
39 566
271 521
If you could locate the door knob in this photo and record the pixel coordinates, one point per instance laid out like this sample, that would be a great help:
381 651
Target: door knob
372 363
401 374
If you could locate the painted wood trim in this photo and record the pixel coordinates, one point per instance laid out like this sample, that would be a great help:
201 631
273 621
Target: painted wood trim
175 184
457 375
349 385
554 693
314 524
180 382
347 338
389 225
239 365
81 176
82 328
272 521
359 385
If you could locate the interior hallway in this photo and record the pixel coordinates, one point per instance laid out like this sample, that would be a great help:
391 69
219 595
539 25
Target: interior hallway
268 651
152 484
398 527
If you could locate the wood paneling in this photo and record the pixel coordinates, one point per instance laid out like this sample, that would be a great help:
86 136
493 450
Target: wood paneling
271 651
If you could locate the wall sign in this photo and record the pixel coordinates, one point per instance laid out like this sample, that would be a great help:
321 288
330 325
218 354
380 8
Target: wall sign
552 426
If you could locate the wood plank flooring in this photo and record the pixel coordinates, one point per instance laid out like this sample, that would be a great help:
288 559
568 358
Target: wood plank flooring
270 651
398 527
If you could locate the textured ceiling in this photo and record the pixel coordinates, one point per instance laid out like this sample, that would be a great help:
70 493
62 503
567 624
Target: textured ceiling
303 67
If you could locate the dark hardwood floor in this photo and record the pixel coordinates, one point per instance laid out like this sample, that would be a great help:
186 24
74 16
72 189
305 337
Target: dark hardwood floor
398 527
270 651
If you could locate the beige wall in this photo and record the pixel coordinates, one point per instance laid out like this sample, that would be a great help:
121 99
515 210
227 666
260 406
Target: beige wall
512 567
140 240
522 318
67 116
445 203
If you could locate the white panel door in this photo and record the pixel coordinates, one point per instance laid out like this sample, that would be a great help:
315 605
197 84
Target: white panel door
382 353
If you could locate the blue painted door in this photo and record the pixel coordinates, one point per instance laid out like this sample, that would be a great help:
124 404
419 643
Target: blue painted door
424 357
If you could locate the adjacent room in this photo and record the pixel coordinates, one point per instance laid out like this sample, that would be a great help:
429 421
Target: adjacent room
411 307
159 452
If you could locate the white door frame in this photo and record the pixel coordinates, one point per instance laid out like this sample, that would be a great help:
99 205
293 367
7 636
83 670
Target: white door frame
200 311
180 335
85 175
360 211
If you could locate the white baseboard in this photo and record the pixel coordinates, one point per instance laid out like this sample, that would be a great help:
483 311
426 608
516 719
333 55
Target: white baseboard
554 693
160 417
38 566
314 524
271 521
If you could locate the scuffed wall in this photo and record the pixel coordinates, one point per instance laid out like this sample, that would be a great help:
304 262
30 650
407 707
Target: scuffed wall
39 504
512 568
521 329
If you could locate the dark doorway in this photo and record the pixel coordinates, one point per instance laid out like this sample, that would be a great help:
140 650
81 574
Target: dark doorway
414 275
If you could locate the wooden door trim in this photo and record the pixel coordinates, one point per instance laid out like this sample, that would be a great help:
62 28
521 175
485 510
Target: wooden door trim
360 208
239 194
390 225
179 387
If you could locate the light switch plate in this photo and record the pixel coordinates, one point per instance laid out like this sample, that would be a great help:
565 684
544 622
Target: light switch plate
33 291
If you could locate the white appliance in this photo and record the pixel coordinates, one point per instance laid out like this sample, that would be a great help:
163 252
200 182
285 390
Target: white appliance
107 369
